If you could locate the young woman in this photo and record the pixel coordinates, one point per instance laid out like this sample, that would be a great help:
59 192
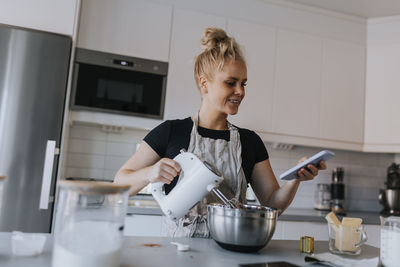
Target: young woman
239 154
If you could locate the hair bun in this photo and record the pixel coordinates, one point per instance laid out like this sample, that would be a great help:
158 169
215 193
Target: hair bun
214 37
218 48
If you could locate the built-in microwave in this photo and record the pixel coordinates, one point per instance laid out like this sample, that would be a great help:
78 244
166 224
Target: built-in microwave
118 84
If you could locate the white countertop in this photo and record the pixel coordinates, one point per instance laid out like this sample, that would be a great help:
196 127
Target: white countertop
157 251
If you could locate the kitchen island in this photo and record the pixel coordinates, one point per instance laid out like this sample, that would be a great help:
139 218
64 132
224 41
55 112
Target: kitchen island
157 251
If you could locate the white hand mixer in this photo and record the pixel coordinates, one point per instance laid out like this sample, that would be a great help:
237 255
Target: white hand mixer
196 180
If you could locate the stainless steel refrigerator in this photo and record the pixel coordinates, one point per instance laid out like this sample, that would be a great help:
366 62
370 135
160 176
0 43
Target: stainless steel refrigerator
33 79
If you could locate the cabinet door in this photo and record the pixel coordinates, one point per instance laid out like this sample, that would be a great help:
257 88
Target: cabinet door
342 102
47 15
258 44
183 97
129 27
143 225
382 122
296 105
293 230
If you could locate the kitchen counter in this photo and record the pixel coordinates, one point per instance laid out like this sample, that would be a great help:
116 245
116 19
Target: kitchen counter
146 205
312 215
157 251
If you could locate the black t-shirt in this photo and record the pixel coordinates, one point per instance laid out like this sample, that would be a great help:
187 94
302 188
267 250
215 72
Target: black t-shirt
168 138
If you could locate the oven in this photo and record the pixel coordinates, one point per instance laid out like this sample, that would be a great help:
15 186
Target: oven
112 83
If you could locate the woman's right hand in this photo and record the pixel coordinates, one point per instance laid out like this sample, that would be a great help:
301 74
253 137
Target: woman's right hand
165 170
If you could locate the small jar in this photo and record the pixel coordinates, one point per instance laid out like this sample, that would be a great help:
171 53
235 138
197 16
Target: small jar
322 197
89 224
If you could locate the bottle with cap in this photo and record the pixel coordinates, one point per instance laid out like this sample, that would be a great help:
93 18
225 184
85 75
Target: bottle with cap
337 191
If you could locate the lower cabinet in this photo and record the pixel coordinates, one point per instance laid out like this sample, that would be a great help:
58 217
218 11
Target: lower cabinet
374 235
143 225
151 225
292 230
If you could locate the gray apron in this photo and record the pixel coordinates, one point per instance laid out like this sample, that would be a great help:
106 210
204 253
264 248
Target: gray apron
226 158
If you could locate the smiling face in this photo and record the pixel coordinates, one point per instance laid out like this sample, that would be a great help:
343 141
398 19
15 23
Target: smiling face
225 91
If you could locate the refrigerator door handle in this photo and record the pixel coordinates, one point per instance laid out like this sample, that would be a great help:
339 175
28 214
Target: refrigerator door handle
47 174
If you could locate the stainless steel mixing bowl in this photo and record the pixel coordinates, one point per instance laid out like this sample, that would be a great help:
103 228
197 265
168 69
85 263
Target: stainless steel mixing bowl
247 229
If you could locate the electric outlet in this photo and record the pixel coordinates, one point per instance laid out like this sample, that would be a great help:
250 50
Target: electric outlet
113 128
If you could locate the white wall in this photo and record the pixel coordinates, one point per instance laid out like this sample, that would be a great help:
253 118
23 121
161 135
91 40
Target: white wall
47 15
93 153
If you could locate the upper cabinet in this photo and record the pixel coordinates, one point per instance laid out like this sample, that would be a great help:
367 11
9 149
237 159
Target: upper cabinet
342 95
183 97
307 79
46 15
296 105
135 28
257 42
382 112
318 96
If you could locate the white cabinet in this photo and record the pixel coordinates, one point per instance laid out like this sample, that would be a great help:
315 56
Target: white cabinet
374 235
258 45
292 230
383 95
343 87
143 225
183 97
135 28
47 15
296 105
318 96
382 118
152 225
303 86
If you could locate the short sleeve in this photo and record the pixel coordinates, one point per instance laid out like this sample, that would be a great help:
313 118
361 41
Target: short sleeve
158 138
261 150
253 151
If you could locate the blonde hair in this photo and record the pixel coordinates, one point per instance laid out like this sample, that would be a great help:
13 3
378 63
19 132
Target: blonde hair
218 48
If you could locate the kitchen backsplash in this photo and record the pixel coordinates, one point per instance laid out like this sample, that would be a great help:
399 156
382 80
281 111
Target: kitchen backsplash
94 152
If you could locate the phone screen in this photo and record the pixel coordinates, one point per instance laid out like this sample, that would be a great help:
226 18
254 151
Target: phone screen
270 264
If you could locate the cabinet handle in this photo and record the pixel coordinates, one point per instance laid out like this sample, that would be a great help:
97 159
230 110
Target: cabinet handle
47 174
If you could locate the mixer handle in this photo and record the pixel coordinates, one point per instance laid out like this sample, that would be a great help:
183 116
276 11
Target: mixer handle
156 190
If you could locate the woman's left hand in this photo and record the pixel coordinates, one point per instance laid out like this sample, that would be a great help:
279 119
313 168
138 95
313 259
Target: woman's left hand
306 174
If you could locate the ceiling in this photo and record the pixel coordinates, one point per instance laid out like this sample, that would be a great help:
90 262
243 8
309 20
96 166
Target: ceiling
360 8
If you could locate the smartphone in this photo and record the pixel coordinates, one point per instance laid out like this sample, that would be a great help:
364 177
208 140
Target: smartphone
314 160
270 264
